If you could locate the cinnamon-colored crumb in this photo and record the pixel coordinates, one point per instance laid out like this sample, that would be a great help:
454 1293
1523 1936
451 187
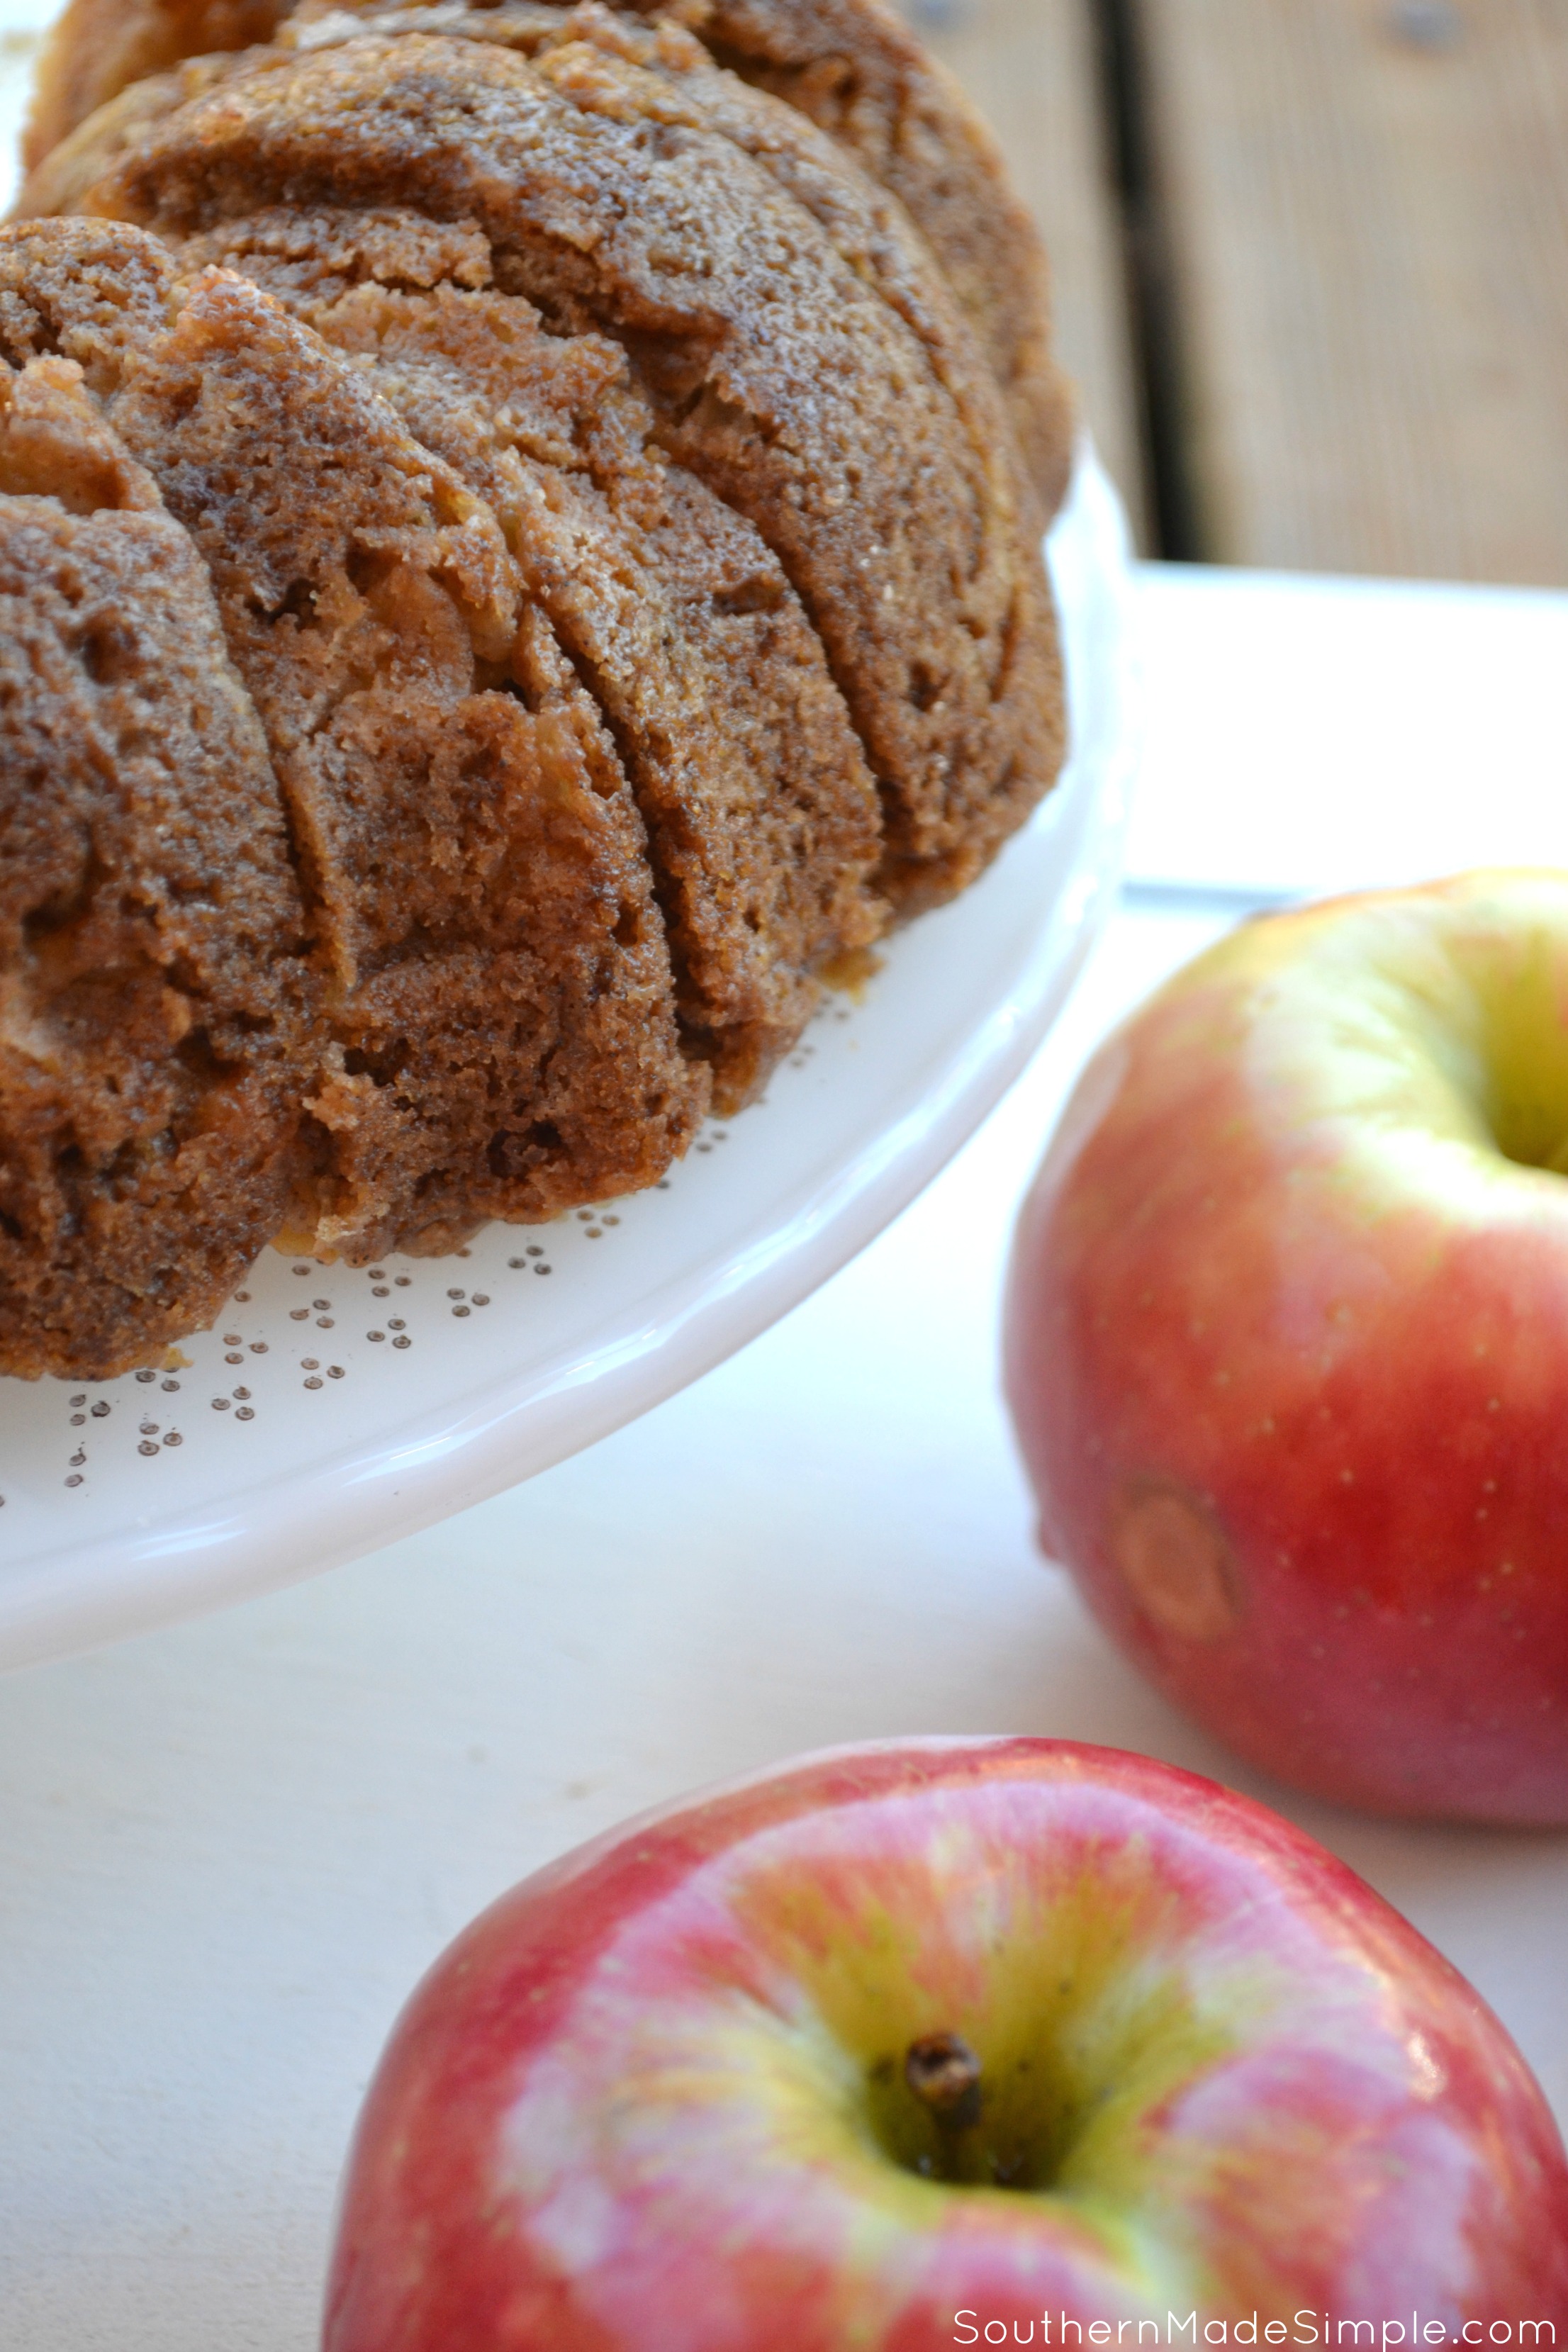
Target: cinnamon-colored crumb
520 573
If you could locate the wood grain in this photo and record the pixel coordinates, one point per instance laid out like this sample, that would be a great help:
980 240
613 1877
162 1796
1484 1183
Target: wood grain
1366 209
1030 67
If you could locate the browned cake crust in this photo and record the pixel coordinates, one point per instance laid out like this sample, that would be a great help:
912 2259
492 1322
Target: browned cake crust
850 66
500 997
96 48
761 813
496 1032
858 72
155 991
626 595
801 357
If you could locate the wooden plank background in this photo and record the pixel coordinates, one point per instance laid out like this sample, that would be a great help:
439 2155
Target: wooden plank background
1357 213
1033 69
1360 210
1366 208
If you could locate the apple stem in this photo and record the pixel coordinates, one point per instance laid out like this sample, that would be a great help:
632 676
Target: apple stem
943 2073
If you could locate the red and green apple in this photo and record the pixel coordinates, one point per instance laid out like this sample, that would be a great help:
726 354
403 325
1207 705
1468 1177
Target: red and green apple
899 2046
1288 1345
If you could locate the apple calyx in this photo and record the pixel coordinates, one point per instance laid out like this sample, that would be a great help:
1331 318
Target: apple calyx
693 2086
943 2073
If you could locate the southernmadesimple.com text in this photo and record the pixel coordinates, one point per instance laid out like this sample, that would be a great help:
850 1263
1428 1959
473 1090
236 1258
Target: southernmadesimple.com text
1061 2330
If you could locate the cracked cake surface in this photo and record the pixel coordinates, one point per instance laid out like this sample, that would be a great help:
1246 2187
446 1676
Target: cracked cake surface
851 66
523 571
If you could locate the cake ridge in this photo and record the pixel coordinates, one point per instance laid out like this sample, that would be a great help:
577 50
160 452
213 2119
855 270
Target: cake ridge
317 130
848 65
618 542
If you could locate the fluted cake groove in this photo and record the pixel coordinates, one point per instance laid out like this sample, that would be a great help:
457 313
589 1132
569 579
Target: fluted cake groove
517 568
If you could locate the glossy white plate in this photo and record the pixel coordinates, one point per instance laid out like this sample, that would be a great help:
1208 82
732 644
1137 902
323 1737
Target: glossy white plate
333 1409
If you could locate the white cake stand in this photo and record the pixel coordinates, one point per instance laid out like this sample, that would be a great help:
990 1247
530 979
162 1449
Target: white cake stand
331 1409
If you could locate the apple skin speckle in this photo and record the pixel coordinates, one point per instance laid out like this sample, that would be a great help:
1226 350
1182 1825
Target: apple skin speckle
896 2032
1319 1163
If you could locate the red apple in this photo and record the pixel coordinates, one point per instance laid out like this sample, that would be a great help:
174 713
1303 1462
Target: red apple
903 2042
1288 1345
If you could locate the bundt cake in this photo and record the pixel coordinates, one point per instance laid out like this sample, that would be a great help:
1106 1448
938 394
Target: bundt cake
517 569
851 66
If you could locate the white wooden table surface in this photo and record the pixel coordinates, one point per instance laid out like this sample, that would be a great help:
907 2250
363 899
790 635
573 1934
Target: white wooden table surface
226 1851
